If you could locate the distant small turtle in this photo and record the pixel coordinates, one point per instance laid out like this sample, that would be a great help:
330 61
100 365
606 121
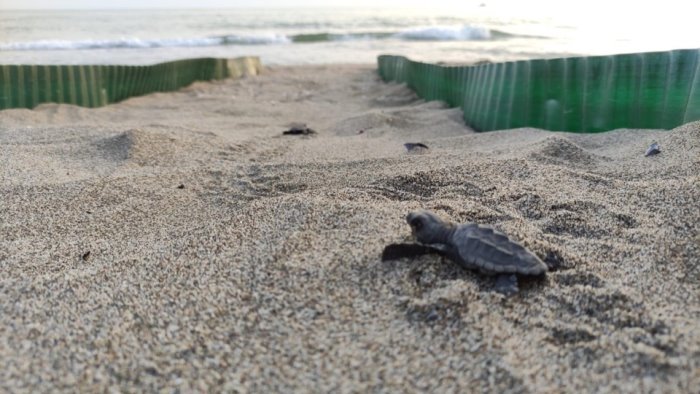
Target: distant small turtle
415 147
653 149
477 247
298 128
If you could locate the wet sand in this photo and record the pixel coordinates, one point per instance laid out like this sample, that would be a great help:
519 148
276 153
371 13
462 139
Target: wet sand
180 240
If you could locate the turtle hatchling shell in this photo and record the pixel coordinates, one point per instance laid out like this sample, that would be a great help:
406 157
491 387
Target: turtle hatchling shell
482 247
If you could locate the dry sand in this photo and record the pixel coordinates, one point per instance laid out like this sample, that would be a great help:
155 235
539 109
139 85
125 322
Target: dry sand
262 272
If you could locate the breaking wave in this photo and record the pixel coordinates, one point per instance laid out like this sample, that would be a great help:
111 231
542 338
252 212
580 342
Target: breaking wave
424 33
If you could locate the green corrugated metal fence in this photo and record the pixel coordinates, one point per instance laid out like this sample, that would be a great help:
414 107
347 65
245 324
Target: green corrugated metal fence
658 90
94 86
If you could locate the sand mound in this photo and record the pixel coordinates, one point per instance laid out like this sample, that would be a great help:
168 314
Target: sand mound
142 147
562 151
366 122
396 95
45 114
117 148
416 120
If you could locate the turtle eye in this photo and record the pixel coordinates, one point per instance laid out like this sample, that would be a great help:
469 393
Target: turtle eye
417 223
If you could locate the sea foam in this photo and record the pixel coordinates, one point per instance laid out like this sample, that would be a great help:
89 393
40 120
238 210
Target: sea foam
428 33
446 33
144 43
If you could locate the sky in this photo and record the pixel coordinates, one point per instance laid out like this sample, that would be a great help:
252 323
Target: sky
105 4
646 14
101 4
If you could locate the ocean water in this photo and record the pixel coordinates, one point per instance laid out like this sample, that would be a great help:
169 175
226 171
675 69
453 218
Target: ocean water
320 36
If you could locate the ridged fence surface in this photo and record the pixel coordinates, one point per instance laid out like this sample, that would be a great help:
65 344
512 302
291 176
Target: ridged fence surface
96 85
658 90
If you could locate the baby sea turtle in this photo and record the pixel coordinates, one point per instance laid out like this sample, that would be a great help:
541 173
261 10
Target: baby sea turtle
653 149
477 247
298 128
415 147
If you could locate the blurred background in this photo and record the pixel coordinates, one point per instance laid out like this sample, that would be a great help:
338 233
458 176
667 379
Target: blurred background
317 32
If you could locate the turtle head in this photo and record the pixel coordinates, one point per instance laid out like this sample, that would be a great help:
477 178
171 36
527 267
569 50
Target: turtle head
428 228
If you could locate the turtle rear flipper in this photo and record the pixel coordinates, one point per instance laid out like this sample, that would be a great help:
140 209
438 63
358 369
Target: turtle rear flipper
507 284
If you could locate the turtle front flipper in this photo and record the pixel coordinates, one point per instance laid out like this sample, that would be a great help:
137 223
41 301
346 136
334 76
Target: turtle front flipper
507 284
398 251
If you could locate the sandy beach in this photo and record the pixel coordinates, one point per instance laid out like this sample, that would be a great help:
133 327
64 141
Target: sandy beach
180 241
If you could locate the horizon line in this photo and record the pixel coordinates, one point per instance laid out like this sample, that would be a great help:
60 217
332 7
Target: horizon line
216 8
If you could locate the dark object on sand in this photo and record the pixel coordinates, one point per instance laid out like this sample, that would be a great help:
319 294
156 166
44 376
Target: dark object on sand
86 255
182 186
653 149
415 146
477 247
298 129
